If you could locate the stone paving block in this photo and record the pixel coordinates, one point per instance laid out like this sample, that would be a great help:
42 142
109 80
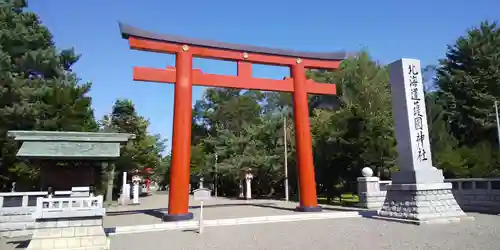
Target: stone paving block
62 223
61 243
20 218
20 233
47 243
93 222
11 225
80 231
4 219
55 232
95 230
68 232
35 244
45 224
75 223
73 242
99 240
86 241
42 233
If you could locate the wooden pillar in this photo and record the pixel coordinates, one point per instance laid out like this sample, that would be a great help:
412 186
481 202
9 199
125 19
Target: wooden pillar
178 202
305 166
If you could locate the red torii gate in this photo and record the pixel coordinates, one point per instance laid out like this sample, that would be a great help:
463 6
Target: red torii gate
184 77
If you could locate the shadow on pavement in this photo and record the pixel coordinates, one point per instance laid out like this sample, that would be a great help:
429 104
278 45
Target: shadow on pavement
160 212
17 244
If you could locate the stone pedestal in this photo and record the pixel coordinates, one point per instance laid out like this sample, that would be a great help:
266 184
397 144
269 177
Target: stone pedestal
421 203
68 234
369 192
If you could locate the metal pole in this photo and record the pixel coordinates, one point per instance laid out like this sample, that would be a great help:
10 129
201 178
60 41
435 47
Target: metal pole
216 177
286 159
498 121
200 230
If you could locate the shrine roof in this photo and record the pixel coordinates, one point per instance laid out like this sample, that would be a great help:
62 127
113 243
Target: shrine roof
128 31
69 145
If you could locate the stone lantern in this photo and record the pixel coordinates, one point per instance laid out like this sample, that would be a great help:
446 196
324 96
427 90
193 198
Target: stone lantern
246 190
136 180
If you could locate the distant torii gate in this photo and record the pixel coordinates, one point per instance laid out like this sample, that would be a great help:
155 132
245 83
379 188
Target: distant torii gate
184 77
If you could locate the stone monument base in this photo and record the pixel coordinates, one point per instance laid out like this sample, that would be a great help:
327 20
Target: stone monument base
427 203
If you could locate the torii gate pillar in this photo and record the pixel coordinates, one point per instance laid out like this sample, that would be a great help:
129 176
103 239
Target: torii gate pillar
178 199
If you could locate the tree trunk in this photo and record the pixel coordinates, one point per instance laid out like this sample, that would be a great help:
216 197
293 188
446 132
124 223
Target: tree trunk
111 168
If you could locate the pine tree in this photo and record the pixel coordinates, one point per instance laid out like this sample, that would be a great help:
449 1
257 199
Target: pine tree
38 90
469 83
143 152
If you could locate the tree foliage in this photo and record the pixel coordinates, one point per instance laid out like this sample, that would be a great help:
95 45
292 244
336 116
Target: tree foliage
38 89
145 151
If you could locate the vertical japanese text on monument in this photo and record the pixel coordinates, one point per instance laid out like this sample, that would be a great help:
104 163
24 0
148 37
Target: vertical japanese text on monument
413 73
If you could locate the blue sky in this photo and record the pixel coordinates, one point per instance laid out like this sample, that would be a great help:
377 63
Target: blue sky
388 29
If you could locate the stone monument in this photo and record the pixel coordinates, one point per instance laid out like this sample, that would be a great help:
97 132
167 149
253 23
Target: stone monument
418 192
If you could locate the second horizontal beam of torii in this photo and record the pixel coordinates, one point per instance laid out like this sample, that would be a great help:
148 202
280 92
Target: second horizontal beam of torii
243 80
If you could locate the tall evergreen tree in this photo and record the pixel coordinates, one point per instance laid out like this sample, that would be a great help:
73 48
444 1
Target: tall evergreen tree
38 90
469 83
143 152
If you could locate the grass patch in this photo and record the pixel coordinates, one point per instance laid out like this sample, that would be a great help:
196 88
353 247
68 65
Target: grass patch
346 199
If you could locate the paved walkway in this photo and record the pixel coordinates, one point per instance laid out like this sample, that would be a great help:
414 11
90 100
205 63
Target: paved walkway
333 231
152 208
343 234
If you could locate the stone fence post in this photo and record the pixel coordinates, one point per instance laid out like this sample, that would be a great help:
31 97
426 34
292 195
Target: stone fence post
369 192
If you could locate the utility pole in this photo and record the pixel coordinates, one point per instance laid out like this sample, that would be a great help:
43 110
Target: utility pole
286 159
498 121
216 177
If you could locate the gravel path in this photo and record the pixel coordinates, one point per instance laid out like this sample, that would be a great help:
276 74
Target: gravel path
358 234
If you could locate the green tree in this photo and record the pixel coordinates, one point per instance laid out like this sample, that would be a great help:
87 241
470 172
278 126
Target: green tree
469 83
143 152
38 89
358 130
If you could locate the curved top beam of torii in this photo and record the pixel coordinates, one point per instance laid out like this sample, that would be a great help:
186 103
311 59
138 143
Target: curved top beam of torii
128 31
243 55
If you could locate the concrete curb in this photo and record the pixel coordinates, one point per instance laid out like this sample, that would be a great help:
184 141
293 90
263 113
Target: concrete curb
182 225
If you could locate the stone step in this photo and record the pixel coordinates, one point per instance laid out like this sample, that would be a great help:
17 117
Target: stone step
17 233
8 226
16 218
85 242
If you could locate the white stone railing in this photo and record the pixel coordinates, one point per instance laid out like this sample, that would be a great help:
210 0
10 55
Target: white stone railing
472 194
23 202
76 207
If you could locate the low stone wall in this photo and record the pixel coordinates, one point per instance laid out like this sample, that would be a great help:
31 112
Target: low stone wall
472 194
16 209
477 194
